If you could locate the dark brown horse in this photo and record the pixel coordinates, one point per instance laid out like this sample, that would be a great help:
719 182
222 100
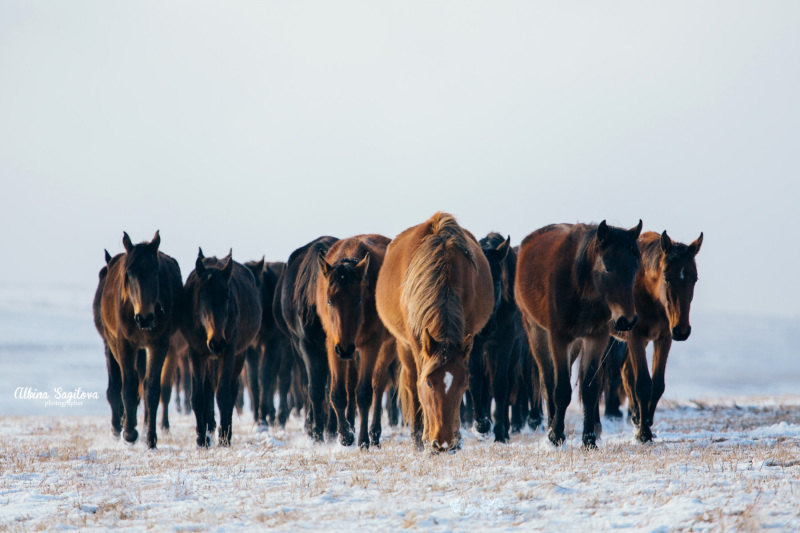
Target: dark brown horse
222 320
434 293
663 292
574 283
346 307
139 302
269 364
295 303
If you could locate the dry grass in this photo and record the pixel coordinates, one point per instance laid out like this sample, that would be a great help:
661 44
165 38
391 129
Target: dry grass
713 468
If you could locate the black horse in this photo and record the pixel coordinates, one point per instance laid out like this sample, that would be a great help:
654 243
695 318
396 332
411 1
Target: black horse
223 319
269 364
493 361
296 301
137 307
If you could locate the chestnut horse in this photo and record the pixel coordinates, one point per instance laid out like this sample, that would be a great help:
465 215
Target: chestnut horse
346 307
137 305
575 283
296 303
663 292
434 293
222 320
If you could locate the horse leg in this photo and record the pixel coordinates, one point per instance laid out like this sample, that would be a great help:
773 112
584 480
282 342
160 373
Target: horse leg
167 380
368 357
660 353
352 379
199 368
227 392
593 348
387 356
114 392
539 343
252 356
130 387
284 377
267 378
501 383
317 368
642 386
562 389
478 386
409 395
152 387
338 394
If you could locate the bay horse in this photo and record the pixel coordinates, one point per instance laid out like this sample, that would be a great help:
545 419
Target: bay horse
138 305
574 284
434 293
268 364
222 320
492 362
345 303
296 302
663 292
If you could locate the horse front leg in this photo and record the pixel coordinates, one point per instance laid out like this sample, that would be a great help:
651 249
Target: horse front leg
660 353
368 358
593 348
479 388
502 385
130 388
114 392
252 359
338 394
228 391
562 390
380 377
640 390
155 363
199 392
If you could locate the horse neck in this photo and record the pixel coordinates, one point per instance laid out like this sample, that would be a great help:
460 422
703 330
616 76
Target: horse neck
583 267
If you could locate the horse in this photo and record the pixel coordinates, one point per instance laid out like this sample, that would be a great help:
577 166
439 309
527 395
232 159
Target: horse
295 301
663 292
270 362
222 320
137 306
527 407
345 303
434 293
491 361
574 285
178 350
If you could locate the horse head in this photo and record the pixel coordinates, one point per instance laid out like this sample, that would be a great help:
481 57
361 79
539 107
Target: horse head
141 281
495 249
442 383
342 285
214 300
678 277
615 265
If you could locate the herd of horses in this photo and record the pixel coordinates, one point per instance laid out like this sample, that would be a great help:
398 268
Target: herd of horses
444 323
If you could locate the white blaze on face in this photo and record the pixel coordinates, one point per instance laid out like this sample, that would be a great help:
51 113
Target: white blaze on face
448 381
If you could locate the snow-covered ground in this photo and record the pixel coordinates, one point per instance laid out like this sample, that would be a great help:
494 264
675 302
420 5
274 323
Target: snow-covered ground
726 456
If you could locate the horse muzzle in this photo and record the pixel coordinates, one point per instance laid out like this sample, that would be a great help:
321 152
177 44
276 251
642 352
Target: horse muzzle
623 324
217 346
681 334
145 322
345 352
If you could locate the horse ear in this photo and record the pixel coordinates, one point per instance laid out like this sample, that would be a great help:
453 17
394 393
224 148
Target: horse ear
199 266
502 248
108 256
153 245
637 230
466 346
429 344
324 266
363 265
126 241
695 246
602 232
666 242
260 264
227 270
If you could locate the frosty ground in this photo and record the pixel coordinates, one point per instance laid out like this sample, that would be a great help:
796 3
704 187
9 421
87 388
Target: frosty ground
722 464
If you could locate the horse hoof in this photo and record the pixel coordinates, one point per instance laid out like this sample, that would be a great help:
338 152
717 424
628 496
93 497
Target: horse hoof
131 436
556 439
346 439
363 445
151 443
590 441
534 422
204 442
644 434
482 426
375 443
500 436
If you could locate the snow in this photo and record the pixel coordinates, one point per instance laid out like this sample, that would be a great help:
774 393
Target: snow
726 455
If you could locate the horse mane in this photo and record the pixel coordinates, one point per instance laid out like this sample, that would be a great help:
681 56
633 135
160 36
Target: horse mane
431 302
583 267
306 281
651 255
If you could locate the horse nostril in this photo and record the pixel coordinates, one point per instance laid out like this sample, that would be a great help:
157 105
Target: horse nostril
216 346
338 350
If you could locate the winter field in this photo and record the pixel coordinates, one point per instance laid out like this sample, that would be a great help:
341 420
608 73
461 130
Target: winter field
726 456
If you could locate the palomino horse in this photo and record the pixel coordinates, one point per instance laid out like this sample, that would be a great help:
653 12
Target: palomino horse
572 280
222 320
296 303
346 307
137 306
663 292
434 293
269 363
492 361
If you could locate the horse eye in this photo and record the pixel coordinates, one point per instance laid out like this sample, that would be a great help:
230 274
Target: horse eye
329 301
430 384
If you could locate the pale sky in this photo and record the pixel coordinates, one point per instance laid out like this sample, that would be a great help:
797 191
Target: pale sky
262 125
